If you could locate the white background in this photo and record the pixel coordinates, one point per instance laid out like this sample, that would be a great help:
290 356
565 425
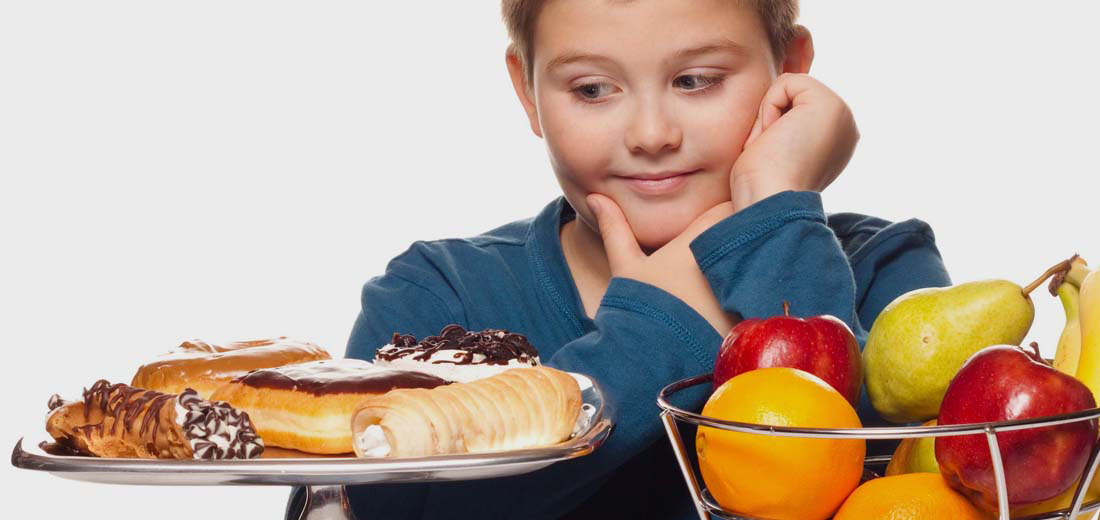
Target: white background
238 169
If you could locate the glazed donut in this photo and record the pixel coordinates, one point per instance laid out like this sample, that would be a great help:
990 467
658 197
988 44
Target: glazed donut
205 367
308 406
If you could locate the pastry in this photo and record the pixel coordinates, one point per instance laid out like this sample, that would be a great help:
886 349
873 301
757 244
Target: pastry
458 355
205 366
308 406
519 408
122 421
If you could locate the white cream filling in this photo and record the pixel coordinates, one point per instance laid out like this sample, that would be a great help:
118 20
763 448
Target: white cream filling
372 442
181 418
218 431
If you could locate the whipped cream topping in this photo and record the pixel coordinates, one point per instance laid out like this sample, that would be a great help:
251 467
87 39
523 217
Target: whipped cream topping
372 442
215 429
458 355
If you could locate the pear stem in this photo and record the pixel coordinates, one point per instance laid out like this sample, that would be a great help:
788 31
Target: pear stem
786 308
1060 277
1060 267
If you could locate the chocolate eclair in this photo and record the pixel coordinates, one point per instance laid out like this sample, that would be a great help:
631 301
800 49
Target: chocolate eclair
308 406
459 355
123 421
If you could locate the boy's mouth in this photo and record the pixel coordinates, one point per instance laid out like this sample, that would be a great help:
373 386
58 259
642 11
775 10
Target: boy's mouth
657 183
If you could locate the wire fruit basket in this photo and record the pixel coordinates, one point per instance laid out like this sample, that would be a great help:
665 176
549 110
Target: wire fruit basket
708 508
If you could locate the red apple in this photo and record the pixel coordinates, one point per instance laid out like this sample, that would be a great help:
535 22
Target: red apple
822 345
1001 383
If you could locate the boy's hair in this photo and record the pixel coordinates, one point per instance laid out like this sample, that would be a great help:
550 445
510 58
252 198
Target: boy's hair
520 16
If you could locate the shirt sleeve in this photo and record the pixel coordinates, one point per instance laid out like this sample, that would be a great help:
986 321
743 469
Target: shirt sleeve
645 338
410 298
780 249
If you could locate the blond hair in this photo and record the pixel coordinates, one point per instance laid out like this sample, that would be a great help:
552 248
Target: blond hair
520 16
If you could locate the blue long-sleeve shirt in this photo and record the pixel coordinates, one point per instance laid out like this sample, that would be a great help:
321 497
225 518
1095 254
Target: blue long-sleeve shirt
783 248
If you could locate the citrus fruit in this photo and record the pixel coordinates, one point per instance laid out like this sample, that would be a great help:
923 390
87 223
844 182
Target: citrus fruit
782 478
912 496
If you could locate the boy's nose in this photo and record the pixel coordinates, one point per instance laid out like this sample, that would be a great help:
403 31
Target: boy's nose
652 132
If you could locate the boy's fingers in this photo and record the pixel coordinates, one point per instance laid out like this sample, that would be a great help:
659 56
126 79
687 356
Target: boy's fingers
782 96
775 102
618 239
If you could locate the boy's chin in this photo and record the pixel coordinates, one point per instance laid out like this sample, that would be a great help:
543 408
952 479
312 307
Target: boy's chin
654 233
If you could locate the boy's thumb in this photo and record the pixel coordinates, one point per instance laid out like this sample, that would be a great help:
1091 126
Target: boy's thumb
618 239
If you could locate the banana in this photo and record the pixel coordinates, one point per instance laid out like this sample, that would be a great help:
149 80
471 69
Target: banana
1068 355
1066 287
1088 369
1078 270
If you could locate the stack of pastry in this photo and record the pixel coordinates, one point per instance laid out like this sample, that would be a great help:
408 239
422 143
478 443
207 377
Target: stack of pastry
457 392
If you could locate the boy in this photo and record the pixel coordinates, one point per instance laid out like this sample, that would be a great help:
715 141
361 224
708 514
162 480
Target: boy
690 147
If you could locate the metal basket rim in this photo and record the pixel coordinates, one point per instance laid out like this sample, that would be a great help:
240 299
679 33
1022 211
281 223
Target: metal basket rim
878 432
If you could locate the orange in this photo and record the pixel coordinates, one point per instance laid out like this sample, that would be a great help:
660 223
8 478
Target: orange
782 478
912 496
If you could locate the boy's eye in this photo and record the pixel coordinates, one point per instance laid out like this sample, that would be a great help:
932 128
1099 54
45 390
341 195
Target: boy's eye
696 81
594 90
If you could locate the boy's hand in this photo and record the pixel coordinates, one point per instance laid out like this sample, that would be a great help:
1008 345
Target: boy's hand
803 137
671 268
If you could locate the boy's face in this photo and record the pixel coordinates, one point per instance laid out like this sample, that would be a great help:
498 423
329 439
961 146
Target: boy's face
648 102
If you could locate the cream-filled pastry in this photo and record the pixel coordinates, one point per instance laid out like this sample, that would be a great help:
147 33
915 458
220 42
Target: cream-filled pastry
459 355
123 421
519 408
308 406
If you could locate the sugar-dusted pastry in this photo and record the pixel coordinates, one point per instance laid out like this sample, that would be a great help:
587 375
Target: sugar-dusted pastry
122 421
519 408
308 406
206 366
459 355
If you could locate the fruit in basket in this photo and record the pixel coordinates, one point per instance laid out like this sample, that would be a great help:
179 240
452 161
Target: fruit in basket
1067 288
1088 369
1061 501
1005 382
913 496
921 339
914 455
822 345
768 476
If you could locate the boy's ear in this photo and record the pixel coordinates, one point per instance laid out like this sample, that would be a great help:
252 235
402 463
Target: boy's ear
800 52
525 94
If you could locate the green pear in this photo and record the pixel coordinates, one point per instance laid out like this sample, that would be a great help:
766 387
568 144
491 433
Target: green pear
921 339
915 455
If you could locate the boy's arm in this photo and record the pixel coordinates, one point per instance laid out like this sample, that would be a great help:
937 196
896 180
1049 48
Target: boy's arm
780 249
407 300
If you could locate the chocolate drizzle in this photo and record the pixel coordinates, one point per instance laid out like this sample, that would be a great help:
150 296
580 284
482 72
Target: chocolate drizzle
215 430
337 376
117 401
497 346
56 402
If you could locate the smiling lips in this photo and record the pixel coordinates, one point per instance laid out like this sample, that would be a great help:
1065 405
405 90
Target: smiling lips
658 183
